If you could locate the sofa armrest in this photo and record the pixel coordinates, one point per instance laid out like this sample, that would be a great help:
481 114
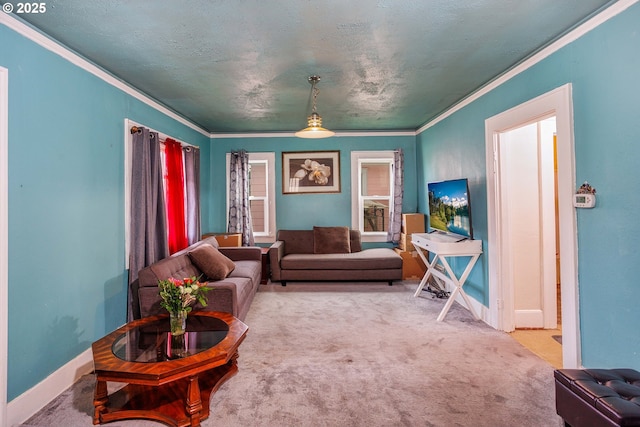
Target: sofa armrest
243 253
276 252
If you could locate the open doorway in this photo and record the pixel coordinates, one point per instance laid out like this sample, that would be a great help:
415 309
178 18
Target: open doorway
528 197
533 307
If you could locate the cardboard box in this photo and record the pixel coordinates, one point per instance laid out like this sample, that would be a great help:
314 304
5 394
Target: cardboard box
412 265
412 223
229 240
226 240
405 242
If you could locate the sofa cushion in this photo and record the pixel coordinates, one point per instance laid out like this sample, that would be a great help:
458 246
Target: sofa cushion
208 241
331 240
296 241
356 243
368 259
211 262
249 269
177 267
301 241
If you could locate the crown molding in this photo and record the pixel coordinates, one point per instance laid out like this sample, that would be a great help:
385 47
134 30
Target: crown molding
53 46
48 43
292 134
592 23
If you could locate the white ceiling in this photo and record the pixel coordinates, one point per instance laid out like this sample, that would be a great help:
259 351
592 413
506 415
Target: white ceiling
242 65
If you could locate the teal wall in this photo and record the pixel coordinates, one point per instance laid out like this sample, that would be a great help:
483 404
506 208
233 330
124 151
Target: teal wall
303 211
67 278
603 69
450 150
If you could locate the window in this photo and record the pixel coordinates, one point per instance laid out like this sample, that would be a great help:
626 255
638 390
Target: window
261 195
258 182
372 195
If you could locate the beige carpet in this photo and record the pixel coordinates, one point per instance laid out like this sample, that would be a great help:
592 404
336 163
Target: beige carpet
362 355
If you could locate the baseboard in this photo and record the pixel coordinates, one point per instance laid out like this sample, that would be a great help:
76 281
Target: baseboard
31 401
478 307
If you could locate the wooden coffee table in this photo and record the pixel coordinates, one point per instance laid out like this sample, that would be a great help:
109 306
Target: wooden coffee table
169 379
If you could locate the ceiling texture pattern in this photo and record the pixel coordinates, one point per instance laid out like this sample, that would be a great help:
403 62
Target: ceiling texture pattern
241 66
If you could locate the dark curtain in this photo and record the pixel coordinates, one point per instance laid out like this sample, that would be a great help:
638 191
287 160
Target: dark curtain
239 208
395 216
148 242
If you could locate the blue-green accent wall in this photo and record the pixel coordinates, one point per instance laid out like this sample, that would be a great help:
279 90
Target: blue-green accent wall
67 277
602 67
303 211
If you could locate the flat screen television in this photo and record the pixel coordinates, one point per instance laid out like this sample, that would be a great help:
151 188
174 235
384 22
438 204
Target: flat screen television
450 208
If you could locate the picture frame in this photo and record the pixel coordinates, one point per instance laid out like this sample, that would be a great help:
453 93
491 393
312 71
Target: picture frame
306 172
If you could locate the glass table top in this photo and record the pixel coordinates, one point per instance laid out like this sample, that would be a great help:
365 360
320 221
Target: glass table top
152 343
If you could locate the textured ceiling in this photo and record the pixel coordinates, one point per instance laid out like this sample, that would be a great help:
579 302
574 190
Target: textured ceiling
242 65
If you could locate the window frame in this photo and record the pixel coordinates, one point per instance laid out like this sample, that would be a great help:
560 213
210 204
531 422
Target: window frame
358 158
269 160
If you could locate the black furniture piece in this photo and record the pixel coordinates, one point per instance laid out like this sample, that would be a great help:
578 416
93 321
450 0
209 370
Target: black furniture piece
598 397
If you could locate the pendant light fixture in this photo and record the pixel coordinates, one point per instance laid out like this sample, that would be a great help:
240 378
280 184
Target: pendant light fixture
314 127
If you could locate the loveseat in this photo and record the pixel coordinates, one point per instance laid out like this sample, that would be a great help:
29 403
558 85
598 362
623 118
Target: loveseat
232 273
330 253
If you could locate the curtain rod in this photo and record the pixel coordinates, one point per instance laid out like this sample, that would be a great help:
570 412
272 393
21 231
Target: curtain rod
138 129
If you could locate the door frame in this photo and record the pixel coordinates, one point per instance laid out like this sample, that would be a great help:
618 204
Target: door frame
4 239
557 102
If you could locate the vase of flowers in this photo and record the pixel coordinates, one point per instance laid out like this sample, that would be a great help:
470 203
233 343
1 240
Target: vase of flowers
178 322
177 297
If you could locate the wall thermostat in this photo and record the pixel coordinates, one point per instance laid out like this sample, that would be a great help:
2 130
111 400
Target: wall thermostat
584 200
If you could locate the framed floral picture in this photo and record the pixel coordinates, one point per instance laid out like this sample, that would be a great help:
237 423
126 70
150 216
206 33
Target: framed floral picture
310 172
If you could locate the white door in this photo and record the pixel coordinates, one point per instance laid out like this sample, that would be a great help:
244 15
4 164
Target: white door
528 226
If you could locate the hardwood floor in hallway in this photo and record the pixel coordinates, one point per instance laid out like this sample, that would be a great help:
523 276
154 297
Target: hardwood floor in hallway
545 343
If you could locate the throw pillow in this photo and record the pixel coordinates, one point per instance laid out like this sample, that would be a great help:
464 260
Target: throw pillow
215 265
331 240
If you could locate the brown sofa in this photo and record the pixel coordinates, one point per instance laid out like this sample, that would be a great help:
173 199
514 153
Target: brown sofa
298 255
232 294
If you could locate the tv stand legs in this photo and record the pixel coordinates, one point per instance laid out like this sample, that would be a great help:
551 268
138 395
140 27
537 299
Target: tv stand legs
448 277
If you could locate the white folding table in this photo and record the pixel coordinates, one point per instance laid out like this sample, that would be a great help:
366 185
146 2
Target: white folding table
444 246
